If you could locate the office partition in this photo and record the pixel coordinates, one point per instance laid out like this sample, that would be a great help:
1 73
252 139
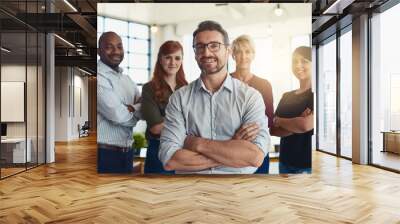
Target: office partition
22 77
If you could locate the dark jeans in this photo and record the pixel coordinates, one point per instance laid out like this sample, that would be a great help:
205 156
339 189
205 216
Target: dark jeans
264 168
152 163
112 160
284 168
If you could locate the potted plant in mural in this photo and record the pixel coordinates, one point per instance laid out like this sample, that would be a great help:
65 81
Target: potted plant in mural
139 142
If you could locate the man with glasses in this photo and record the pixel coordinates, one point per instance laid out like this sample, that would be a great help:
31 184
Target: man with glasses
216 124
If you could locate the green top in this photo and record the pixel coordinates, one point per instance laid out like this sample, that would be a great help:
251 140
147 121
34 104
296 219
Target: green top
153 112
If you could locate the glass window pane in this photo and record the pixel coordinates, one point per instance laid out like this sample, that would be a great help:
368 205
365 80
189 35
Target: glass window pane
14 70
125 43
124 62
327 97
118 26
139 76
139 61
32 73
346 94
100 24
385 88
138 46
98 37
139 30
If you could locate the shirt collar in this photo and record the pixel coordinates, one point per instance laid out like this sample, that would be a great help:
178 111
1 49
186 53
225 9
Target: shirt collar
228 84
107 69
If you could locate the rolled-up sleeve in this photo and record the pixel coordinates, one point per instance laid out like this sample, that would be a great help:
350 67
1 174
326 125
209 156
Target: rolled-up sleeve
255 113
174 132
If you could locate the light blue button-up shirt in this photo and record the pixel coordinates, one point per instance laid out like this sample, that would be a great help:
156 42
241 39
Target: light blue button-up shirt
193 110
114 92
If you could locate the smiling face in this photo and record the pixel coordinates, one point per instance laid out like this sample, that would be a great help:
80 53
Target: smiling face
301 67
111 51
171 63
243 55
211 62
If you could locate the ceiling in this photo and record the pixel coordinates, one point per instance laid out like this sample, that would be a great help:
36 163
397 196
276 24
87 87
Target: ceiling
74 22
78 27
174 13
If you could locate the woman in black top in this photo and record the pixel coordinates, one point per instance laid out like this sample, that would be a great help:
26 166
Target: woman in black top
168 76
293 120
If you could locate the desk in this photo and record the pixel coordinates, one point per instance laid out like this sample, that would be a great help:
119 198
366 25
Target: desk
13 150
391 141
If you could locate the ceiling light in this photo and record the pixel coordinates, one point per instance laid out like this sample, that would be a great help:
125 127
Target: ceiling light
79 51
84 71
64 40
278 10
70 5
154 29
5 50
337 7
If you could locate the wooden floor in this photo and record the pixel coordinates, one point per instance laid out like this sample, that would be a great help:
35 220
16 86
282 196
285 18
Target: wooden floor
70 191
10 171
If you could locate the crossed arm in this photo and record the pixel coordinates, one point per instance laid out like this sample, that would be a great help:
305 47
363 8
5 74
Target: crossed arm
288 126
196 153
186 160
200 153
113 109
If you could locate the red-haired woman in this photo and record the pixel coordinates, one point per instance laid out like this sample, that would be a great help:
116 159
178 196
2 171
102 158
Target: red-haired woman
168 76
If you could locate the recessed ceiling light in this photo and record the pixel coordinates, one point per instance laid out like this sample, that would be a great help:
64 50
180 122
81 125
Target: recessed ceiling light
64 40
70 5
278 10
5 50
154 29
84 71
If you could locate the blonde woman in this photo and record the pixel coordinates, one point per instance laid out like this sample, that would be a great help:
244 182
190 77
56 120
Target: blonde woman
243 52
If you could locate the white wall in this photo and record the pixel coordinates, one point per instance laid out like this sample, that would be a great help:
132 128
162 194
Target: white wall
15 72
69 85
277 32
61 106
33 127
257 20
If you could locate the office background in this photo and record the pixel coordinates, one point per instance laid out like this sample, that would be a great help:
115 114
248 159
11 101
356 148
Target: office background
144 27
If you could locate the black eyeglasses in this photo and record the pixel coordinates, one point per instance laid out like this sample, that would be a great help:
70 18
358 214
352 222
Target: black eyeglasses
212 46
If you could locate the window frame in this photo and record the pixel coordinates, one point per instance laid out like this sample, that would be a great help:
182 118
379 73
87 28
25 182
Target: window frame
127 49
